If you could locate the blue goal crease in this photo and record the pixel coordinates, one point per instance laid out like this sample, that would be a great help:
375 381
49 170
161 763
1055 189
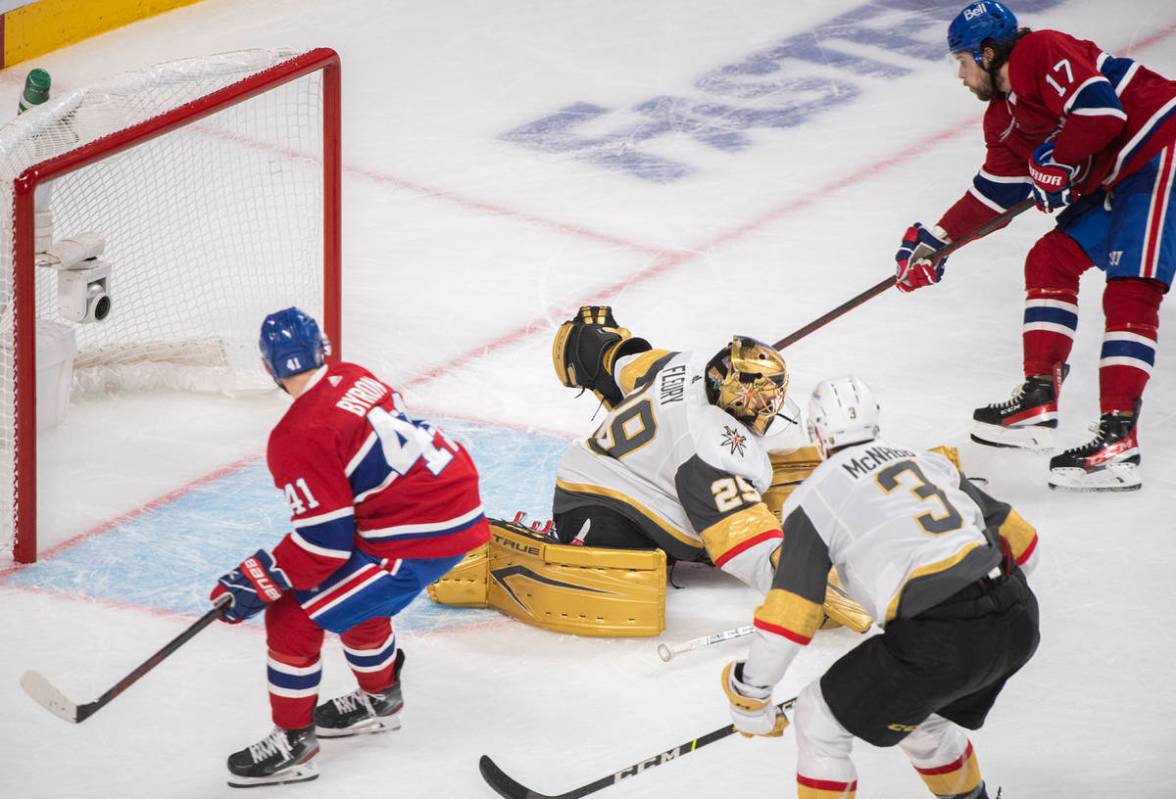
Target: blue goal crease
169 557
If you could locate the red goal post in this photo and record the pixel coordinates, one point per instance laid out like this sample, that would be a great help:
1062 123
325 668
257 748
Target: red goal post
181 192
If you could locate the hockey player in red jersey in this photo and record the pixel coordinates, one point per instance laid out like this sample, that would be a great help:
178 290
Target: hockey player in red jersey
1091 135
382 505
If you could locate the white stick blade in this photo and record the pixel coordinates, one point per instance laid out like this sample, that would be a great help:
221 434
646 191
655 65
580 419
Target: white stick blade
47 696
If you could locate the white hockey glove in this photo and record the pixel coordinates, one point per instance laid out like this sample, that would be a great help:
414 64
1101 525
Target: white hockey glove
751 708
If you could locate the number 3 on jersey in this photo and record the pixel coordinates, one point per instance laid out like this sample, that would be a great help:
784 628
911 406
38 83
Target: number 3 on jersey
890 478
405 441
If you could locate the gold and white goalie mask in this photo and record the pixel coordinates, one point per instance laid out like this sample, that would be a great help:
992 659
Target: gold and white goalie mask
749 380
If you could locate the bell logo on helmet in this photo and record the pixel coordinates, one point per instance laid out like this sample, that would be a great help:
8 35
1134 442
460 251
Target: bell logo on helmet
986 23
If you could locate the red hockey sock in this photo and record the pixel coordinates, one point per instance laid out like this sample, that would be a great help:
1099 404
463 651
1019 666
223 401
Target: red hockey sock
1132 309
370 649
1052 268
293 689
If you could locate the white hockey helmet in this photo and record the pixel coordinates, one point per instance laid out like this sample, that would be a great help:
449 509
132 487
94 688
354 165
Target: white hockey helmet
842 411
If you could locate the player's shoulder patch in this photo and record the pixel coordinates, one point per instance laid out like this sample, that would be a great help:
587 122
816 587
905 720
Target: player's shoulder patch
727 444
734 440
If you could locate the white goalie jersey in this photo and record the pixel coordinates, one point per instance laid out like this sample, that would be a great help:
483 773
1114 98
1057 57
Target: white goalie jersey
685 471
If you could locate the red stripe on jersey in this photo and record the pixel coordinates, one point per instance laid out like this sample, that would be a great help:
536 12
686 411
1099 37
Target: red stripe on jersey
1028 551
826 785
776 629
954 765
748 544
1156 213
336 591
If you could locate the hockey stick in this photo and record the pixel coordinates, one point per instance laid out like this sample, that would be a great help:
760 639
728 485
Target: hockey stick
49 697
507 787
667 651
881 286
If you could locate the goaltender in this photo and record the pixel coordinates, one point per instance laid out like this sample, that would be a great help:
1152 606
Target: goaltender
679 467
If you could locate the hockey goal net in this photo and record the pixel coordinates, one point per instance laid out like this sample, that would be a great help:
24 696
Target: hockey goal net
209 189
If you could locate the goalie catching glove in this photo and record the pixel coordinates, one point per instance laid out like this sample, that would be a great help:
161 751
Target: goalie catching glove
752 710
587 347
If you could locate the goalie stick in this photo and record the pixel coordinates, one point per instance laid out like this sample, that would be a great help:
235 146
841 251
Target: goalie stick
881 286
504 785
49 697
667 651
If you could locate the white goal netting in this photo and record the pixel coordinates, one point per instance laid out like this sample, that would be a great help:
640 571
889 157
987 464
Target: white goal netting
206 227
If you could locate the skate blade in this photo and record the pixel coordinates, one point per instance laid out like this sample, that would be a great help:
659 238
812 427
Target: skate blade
1032 438
304 772
1115 477
365 727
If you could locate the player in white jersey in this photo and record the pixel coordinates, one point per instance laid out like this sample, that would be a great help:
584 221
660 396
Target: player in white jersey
678 463
939 564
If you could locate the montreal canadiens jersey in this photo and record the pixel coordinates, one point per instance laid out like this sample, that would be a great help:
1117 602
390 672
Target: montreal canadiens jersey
360 474
686 471
905 531
1111 115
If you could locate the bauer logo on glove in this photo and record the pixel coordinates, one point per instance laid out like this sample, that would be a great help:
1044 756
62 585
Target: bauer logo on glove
252 585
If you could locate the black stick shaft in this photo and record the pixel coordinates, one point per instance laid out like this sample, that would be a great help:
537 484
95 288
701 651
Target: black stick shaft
881 286
90 708
507 787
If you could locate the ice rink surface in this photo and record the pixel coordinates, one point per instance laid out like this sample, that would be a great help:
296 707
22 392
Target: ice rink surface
706 169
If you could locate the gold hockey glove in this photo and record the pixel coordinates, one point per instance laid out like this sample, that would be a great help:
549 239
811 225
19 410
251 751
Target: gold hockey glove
840 610
951 453
789 470
751 708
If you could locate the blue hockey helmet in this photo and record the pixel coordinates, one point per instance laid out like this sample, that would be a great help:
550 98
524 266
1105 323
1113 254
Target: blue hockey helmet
291 343
980 22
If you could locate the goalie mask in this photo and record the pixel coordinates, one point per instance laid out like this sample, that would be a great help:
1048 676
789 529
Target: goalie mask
749 380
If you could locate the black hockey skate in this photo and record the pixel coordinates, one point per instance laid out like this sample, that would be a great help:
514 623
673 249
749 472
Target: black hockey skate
1026 420
1109 462
359 712
282 756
